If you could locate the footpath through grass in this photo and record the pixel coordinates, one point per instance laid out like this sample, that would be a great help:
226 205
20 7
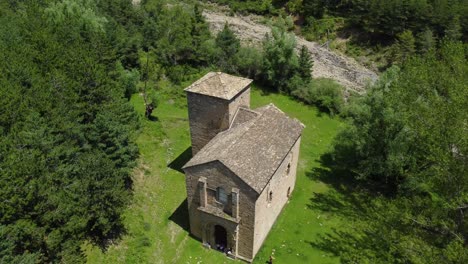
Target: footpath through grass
156 219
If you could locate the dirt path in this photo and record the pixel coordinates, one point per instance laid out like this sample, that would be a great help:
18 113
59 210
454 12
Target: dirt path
329 64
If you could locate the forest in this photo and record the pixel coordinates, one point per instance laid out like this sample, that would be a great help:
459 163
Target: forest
68 130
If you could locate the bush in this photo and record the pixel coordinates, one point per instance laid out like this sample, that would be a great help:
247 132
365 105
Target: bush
323 29
280 61
249 62
128 79
325 93
180 73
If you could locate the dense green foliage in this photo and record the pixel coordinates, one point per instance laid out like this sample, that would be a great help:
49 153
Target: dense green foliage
280 61
305 64
408 140
279 67
66 147
325 93
391 17
229 46
260 7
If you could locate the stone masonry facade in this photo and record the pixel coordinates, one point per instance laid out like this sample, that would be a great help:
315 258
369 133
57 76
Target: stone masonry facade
243 168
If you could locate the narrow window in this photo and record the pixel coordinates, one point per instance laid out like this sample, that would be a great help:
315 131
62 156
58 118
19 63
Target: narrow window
221 196
289 192
270 196
288 169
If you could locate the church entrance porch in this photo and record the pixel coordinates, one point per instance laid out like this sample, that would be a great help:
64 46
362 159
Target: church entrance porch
220 236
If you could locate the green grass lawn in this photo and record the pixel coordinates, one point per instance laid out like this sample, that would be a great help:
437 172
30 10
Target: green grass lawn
156 221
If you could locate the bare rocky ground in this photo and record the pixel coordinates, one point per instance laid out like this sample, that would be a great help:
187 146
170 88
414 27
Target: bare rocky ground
328 64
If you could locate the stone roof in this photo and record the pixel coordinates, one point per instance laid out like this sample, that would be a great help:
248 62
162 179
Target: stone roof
220 85
243 115
253 149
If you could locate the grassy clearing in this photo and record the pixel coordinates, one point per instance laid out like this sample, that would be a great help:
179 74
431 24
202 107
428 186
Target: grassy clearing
156 221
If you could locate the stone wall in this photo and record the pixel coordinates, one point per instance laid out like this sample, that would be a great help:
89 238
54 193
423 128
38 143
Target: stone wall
210 115
242 99
217 175
281 186
207 117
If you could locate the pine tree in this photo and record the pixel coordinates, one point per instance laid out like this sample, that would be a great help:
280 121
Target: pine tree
426 41
228 42
229 45
305 64
200 34
280 61
454 29
404 47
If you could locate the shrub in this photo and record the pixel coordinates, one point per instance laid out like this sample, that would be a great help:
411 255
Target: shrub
325 93
249 62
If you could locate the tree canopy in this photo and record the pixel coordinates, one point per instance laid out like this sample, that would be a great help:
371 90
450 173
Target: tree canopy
66 144
407 140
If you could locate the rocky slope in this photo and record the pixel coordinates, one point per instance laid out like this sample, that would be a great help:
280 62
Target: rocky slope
329 64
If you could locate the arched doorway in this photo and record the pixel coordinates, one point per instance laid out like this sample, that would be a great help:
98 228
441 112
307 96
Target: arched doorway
220 235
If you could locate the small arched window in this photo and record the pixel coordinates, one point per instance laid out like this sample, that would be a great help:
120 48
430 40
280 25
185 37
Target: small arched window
221 195
270 196
288 170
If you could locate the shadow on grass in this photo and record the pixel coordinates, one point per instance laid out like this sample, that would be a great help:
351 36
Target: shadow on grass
347 199
344 196
181 160
180 216
104 241
153 118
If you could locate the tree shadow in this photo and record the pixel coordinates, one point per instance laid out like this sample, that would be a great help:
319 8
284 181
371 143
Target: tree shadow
104 241
181 160
153 118
347 198
181 217
344 198
336 241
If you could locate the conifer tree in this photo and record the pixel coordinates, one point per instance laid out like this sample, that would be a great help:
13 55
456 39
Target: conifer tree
227 41
200 34
305 64
404 47
280 61
229 45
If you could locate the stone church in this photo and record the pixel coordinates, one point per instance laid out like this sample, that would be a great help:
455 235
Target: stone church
243 168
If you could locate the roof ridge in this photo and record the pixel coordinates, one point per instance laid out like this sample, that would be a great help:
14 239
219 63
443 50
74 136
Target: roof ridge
249 123
201 80
234 118
242 135
248 109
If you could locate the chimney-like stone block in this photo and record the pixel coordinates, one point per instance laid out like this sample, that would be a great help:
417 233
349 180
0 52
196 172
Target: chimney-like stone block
202 191
235 202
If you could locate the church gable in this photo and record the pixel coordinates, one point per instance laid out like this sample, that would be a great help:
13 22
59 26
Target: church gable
217 175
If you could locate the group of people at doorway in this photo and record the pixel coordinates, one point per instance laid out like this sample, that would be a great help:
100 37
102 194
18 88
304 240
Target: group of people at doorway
220 247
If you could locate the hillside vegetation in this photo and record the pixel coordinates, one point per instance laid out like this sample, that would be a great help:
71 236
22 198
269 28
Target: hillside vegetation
378 32
93 129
